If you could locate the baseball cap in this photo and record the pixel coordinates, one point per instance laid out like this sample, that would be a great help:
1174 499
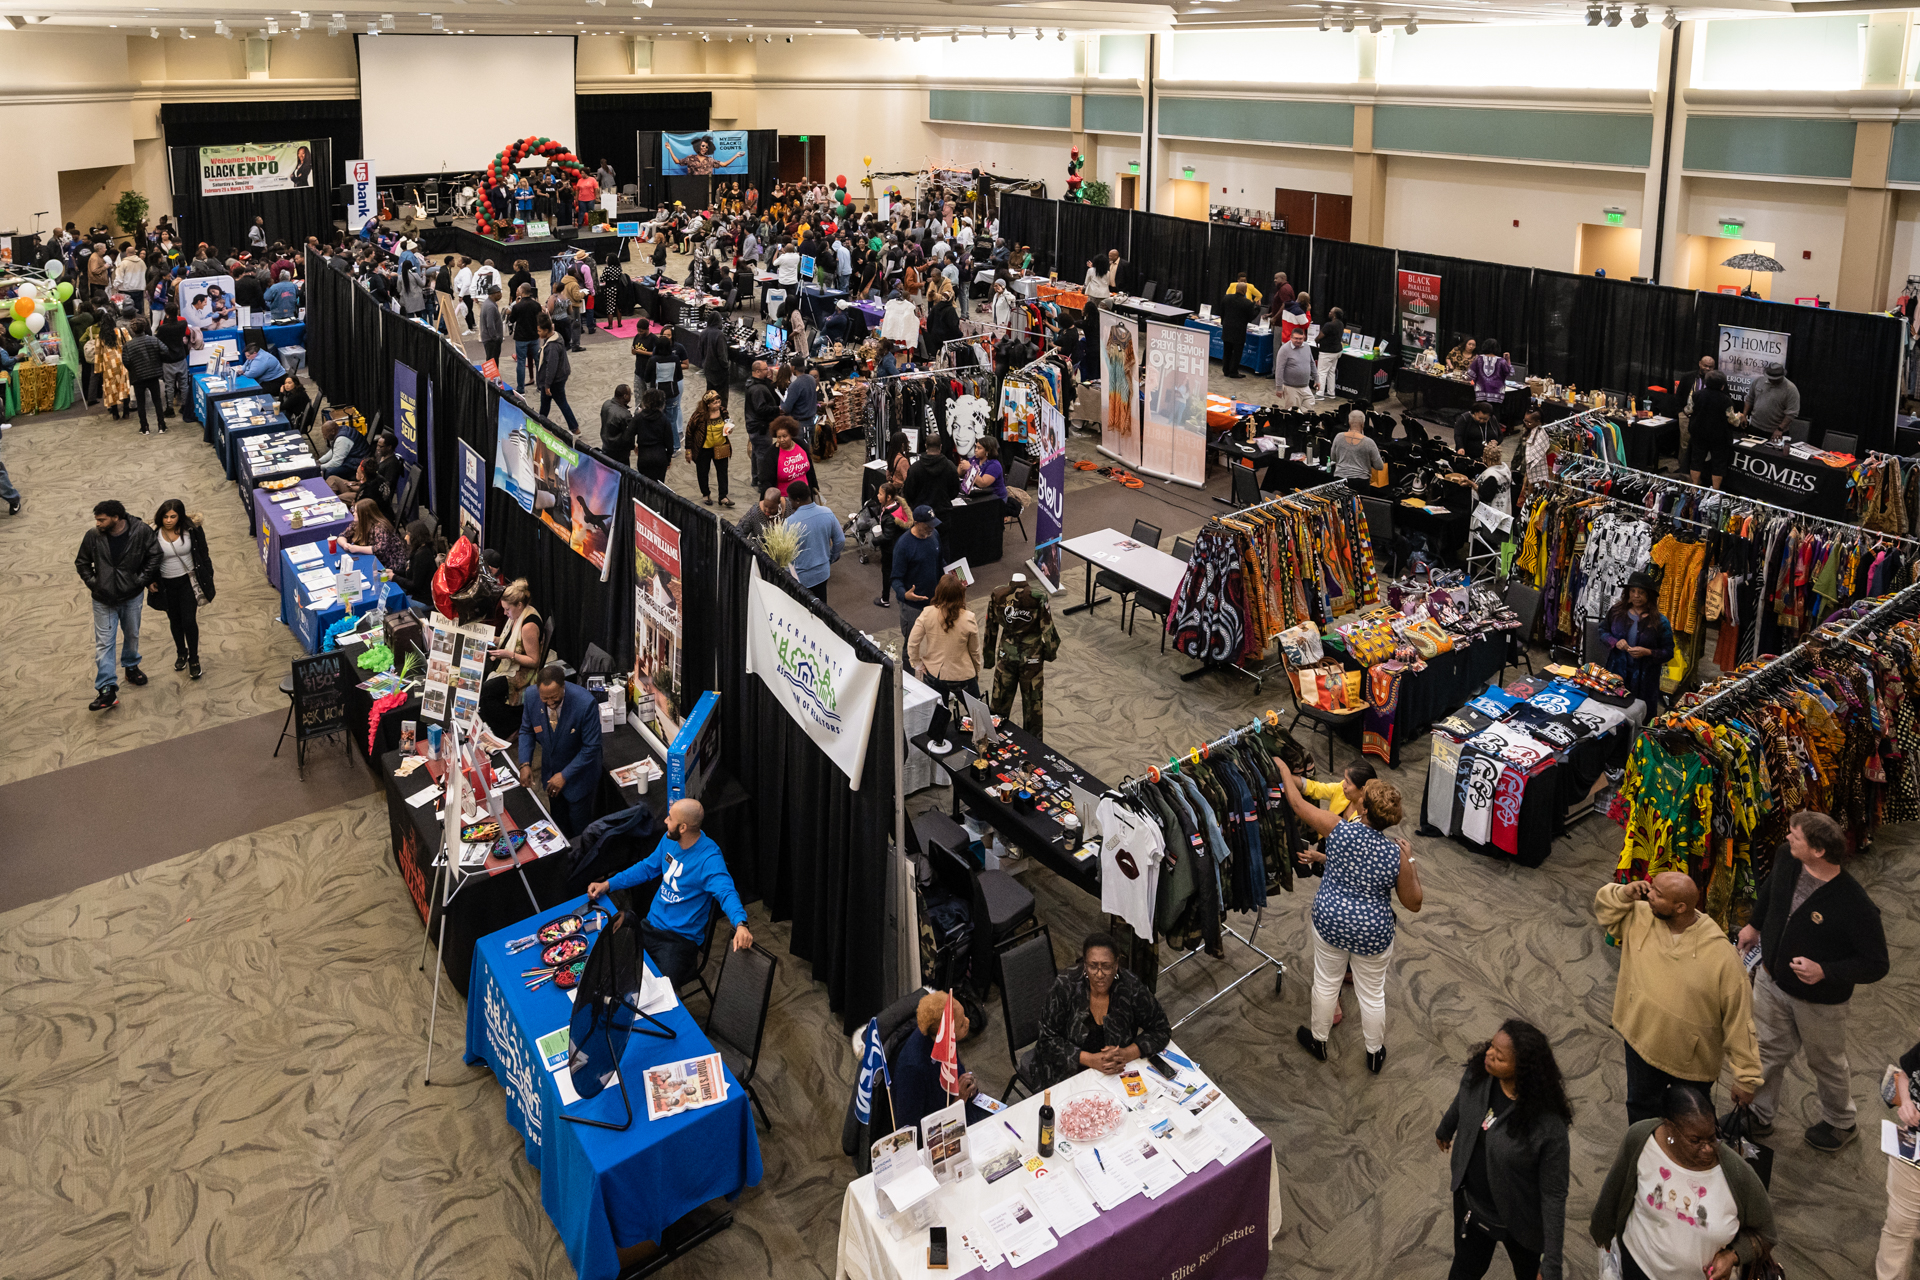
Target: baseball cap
923 514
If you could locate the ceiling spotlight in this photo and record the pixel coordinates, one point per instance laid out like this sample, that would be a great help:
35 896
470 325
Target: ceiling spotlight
916 37
339 19
1326 24
645 3
789 39
1613 16
705 38
1062 33
154 32
273 27
1593 15
1639 18
1413 25
386 22
1374 26
296 33
439 22
219 28
187 35
1671 21
1346 24
373 28
306 21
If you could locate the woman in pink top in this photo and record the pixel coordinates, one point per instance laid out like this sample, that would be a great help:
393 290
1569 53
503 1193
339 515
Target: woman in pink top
791 463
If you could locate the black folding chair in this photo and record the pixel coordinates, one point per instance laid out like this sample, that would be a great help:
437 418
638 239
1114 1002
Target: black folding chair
1525 603
737 1021
1159 605
1026 979
1246 486
1126 587
1020 476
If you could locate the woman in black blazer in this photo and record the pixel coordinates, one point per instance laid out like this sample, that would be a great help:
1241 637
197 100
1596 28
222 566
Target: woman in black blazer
1510 1159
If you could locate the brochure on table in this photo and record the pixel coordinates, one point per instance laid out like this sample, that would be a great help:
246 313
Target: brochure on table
1008 1204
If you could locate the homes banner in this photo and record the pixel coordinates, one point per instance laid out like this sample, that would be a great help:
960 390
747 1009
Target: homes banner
1173 440
1745 355
255 166
713 151
1419 314
406 413
566 490
1120 389
815 675
657 594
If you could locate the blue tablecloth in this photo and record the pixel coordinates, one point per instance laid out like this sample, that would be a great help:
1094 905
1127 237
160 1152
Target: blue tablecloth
1255 357
235 384
292 334
604 1189
273 533
232 421
309 625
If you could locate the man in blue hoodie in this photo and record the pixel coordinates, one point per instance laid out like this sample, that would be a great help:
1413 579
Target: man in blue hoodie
692 875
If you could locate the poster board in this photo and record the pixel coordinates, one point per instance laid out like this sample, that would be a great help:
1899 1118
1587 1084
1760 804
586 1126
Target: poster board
473 494
657 596
1173 436
320 684
1419 296
711 151
1745 355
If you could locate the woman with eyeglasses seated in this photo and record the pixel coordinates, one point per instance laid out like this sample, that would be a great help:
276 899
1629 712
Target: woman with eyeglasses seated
1098 1015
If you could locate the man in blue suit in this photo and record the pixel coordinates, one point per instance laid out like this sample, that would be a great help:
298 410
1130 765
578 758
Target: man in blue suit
565 721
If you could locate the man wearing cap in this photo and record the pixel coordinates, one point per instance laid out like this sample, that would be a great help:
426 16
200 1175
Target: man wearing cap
916 567
1772 403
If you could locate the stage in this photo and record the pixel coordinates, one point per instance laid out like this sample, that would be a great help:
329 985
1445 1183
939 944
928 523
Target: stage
462 237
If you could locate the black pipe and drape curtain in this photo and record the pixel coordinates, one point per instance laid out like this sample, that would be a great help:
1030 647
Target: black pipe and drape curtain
222 221
1845 363
330 126
817 852
1171 253
1025 220
1232 249
606 123
1086 232
1359 279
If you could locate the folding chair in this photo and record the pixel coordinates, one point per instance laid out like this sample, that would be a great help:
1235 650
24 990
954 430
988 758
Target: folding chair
1125 587
1026 979
737 1021
1525 603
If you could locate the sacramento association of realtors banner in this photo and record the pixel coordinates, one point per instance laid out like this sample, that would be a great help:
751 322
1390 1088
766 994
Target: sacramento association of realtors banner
255 166
814 674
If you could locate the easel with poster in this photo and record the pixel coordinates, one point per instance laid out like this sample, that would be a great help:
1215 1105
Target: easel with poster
456 667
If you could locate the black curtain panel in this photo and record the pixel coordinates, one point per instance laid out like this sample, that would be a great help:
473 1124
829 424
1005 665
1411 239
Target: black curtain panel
763 164
607 123
1845 363
1029 221
1086 232
1172 252
329 298
222 221
1640 334
368 377
1549 328
1359 279
225 124
461 397
818 851
1477 300
1232 249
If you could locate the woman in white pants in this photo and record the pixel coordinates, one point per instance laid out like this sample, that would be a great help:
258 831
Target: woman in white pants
1903 1183
1353 921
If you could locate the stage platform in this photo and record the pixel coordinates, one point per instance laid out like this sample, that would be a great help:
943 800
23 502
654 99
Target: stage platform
463 238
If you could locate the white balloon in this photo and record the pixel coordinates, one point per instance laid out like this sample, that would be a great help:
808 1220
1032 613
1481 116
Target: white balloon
55 270
24 291
36 322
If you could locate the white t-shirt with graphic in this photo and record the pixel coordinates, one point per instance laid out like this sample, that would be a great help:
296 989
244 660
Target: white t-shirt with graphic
1681 1217
1131 850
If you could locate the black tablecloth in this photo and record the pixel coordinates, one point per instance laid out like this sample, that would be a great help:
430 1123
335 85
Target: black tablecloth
1434 392
1647 442
976 531
1550 796
1447 533
1773 475
1425 696
1354 377
484 903
1034 834
360 710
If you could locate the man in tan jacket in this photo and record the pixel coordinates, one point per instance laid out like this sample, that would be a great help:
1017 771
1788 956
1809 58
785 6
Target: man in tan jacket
1683 1003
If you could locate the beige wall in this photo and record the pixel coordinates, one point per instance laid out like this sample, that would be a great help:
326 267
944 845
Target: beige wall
1467 209
1794 218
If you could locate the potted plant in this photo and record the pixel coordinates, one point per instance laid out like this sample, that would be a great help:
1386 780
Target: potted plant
130 211
1096 192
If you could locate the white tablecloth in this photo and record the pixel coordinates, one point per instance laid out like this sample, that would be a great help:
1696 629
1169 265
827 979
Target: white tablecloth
921 771
868 1250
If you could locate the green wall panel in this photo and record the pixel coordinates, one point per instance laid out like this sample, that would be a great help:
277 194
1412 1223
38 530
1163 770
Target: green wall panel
1783 146
1326 124
986 106
1904 164
1114 112
1577 137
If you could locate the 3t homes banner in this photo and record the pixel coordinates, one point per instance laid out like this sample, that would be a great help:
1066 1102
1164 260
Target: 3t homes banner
1745 355
814 674
255 166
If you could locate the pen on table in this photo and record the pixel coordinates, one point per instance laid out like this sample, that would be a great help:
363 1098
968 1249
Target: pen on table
1098 1160
1015 1132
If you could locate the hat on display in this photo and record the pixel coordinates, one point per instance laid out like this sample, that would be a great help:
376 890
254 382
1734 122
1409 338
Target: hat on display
923 514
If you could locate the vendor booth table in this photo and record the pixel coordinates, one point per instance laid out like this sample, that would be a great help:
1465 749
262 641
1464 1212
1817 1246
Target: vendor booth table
486 900
1448 681
1142 310
1357 375
1146 567
207 388
274 455
1650 439
273 527
309 625
386 737
1218 1221
1432 392
291 334
238 417
604 1189
1255 357
1773 474
974 529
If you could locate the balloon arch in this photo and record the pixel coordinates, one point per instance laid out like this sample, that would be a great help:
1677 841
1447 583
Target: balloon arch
500 170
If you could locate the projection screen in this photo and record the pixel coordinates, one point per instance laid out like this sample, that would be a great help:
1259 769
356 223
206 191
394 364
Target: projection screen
434 102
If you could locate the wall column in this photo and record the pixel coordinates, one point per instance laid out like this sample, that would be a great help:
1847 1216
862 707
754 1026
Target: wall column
1670 90
1369 181
1866 245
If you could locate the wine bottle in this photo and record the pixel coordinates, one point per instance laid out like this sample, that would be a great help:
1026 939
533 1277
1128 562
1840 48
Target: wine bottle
1046 1123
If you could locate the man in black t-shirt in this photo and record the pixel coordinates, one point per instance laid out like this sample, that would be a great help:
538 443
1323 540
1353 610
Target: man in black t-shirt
524 319
172 333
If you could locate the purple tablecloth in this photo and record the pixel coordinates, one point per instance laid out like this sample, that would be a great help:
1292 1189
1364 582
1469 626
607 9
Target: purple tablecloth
274 534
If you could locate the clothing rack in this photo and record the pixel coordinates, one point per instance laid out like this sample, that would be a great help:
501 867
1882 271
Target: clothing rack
1880 613
1226 930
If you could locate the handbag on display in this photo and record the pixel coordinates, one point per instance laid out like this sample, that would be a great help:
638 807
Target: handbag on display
1301 645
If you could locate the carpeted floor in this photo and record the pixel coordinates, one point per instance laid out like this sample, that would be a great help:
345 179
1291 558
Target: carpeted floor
214 1064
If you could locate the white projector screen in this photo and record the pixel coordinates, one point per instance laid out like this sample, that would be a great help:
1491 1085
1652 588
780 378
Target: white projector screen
452 102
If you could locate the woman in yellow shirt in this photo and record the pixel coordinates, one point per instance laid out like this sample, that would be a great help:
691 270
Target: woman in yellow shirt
1339 797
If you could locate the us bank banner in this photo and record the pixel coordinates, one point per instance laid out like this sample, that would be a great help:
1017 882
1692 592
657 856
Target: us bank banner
814 674
255 166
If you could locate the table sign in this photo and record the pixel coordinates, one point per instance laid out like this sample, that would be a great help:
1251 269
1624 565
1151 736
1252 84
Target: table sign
320 685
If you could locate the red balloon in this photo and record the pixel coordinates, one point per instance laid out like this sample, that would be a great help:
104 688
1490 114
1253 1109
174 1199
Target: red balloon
840 181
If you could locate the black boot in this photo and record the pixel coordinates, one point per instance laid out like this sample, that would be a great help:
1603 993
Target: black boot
1318 1048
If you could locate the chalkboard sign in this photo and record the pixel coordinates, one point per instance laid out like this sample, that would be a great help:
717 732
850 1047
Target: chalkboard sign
320 685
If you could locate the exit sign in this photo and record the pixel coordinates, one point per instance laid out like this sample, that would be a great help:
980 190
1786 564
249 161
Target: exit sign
1732 229
1615 219
803 137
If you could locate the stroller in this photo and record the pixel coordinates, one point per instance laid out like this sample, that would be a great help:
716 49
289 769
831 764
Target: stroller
866 527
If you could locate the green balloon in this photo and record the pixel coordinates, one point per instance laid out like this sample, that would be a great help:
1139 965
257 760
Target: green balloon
18 329
63 291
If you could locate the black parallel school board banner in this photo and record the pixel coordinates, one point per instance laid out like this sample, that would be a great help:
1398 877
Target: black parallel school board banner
320 685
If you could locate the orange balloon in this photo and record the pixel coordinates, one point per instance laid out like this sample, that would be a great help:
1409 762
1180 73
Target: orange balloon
23 307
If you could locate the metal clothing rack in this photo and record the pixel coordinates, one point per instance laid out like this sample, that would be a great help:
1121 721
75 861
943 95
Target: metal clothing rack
1259 677
1226 930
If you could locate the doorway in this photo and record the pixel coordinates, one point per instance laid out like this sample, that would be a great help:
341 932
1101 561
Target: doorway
1615 250
1126 191
1314 213
803 157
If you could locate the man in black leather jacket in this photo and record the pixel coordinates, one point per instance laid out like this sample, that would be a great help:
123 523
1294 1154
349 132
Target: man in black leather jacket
763 406
119 558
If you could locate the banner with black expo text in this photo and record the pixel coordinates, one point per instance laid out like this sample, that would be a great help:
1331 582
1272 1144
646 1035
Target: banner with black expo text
814 674
255 166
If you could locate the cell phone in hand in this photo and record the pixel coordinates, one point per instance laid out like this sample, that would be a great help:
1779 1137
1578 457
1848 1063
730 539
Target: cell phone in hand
936 1248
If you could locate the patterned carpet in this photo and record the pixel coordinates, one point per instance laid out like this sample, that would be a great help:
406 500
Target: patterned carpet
215 1059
